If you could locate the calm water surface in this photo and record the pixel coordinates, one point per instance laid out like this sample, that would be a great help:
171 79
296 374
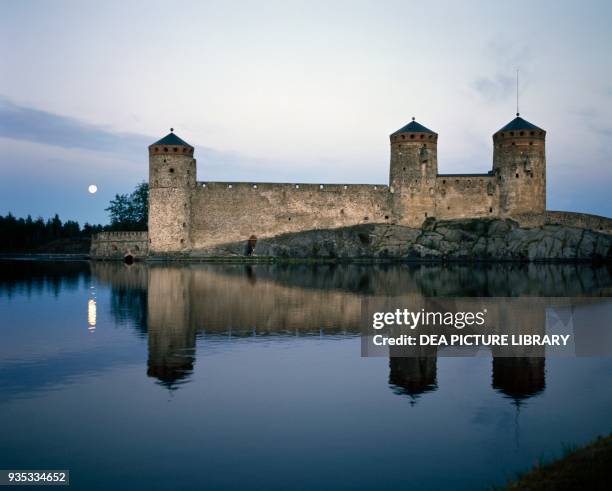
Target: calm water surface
250 377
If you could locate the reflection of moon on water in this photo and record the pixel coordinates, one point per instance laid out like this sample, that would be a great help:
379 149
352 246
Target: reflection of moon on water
92 188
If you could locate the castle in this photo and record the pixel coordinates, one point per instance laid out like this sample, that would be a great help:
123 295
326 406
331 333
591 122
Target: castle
187 216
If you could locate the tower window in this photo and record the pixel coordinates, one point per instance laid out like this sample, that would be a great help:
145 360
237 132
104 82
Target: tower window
386 217
517 176
412 136
403 137
512 133
422 136
403 168
521 133
490 210
165 149
530 143
531 133
171 170
156 149
175 149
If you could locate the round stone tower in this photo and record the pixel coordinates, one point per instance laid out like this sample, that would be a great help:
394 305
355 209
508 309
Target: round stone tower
413 170
172 177
519 164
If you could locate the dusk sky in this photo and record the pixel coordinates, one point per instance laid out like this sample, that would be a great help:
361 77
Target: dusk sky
293 91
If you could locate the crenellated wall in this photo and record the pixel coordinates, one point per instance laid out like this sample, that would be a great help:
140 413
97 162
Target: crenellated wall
224 212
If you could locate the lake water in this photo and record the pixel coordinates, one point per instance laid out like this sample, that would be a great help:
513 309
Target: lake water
236 377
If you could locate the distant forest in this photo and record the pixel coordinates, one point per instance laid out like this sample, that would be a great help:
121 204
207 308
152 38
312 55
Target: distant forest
126 212
27 234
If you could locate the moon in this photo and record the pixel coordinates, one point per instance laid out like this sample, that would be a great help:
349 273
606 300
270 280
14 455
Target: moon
92 188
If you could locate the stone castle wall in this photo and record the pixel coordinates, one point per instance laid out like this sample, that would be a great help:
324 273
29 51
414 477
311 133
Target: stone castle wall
119 245
225 212
463 196
566 218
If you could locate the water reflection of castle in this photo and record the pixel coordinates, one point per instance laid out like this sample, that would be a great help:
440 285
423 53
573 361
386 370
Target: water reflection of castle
184 302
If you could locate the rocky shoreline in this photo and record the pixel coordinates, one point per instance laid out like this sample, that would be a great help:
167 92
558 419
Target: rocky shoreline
456 240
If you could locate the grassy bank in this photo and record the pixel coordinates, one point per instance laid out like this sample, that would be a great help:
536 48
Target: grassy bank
587 467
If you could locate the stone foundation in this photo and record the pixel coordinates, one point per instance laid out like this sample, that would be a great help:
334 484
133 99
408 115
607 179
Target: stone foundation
119 245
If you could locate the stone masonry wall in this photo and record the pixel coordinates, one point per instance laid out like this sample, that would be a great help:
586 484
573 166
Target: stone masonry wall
228 212
466 196
118 245
566 218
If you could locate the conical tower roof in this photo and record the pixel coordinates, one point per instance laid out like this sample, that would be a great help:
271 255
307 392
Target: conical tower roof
519 123
414 127
172 140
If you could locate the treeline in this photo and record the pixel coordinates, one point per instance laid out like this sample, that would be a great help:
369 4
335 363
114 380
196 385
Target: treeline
127 212
28 234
